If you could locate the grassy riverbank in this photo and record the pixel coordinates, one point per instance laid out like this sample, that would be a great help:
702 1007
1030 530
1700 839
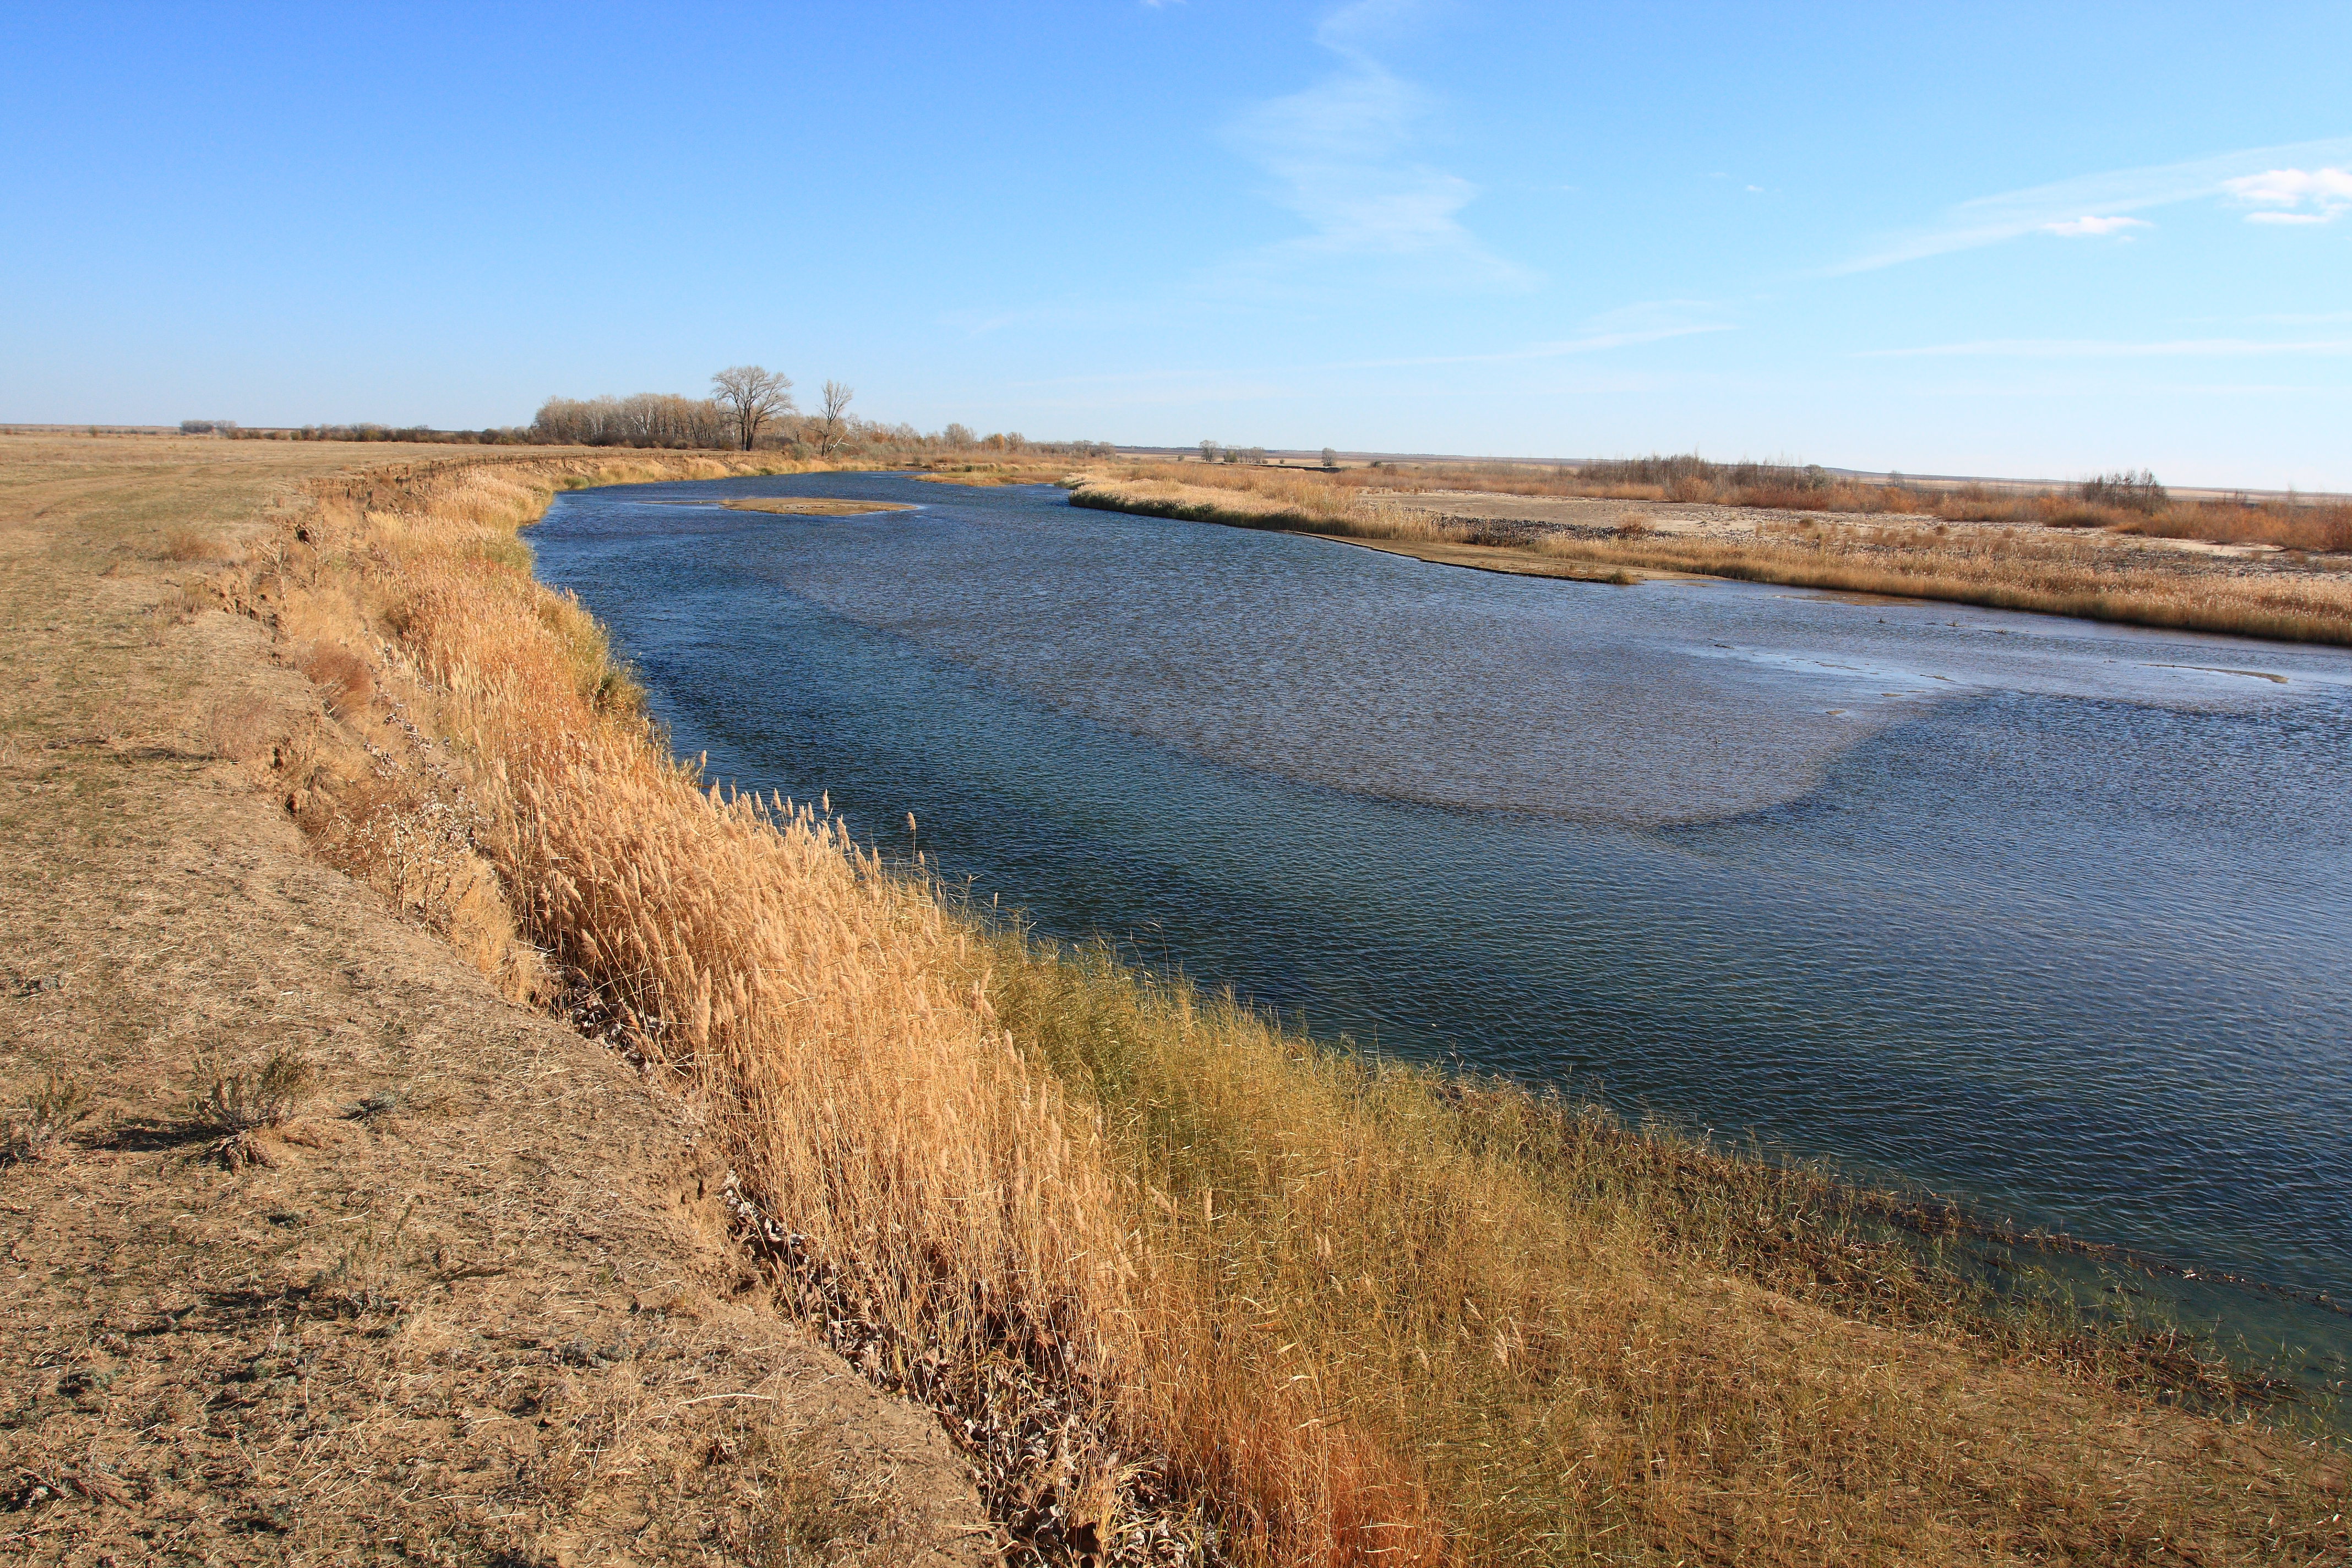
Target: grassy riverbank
2052 570
317 1251
1163 1265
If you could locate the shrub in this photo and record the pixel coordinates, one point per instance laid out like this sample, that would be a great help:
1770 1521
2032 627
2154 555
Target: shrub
261 1097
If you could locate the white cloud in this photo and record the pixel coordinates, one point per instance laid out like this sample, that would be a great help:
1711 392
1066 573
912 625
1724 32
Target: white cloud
2284 194
1343 155
2077 228
1990 220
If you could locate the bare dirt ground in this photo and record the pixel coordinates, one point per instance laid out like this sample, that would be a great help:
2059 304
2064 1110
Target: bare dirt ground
474 1299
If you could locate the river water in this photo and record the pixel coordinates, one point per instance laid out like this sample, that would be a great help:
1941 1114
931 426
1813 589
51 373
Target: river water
2045 914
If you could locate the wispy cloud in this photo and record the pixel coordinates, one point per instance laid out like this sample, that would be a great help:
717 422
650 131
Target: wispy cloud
2092 348
1344 156
2085 227
1990 220
1649 322
2296 196
1594 342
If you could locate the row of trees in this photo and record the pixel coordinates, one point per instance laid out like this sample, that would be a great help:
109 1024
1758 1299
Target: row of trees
748 407
751 407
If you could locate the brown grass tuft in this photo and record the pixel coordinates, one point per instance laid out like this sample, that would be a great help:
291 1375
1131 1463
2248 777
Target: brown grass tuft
44 1126
255 1097
183 544
344 678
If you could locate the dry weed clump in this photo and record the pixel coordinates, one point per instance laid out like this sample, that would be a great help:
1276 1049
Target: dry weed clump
45 1126
255 1098
344 678
188 544
1180 1282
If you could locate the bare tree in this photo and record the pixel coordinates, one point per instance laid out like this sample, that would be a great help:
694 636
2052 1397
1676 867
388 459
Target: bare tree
832 425
1207 451
1330 458
751 397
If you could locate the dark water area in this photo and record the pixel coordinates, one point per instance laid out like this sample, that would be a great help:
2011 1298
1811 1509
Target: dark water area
2046 915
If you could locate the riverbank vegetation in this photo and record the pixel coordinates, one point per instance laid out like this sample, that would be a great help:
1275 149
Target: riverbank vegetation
2126 502
1167 1271
2060 559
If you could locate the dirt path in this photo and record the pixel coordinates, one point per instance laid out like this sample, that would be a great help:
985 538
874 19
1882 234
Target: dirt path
473 1300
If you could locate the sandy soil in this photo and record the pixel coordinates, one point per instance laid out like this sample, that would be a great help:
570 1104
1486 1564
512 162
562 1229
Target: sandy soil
476 1299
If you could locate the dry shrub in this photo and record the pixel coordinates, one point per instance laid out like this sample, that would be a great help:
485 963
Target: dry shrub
345 679
184 543
45 1125
255 1098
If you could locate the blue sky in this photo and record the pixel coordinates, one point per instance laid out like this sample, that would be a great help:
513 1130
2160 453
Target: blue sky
1999 238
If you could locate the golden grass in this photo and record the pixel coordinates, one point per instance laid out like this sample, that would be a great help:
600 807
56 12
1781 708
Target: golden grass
1159 1260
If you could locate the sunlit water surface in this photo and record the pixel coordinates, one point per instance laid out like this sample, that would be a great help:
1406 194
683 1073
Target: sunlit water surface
2049 915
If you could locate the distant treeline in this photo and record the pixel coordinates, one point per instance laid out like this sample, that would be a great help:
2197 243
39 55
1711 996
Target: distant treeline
666 419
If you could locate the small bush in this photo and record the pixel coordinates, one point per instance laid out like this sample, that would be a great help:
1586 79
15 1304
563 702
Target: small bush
266 1096
58 1107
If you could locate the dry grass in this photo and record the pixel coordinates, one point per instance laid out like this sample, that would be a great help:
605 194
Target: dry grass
42 1129
344 678
1161 1263
2005 569
188 544
2046 569
239 728
2315 526
2323 528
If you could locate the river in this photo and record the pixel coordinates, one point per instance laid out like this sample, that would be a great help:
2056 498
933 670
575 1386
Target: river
2048 915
